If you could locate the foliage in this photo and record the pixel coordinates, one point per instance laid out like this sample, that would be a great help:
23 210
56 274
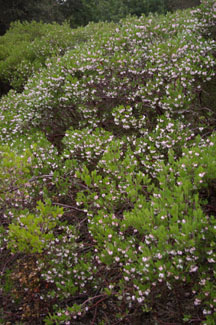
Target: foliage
108 175
28 10
182 4
25 48
31 233
80 13
110 10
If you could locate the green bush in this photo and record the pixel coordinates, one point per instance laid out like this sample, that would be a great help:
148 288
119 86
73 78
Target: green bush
117 134
31 233
25 48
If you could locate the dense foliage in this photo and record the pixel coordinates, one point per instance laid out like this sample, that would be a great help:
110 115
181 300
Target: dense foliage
25 48
80 13
28 10
108 170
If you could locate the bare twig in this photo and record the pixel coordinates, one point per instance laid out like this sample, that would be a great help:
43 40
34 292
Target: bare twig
68 206
93 298
95 314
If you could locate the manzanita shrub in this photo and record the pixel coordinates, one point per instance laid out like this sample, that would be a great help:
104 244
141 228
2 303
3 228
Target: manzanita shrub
108 169
26 46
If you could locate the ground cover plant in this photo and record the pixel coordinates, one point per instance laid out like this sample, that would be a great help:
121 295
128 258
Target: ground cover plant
108 169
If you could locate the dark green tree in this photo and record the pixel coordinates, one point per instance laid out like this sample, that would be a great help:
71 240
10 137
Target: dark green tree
80 13
77 12
182 4
28 10
139 7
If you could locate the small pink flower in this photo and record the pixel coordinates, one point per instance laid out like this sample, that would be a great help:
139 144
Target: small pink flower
197 302
193 268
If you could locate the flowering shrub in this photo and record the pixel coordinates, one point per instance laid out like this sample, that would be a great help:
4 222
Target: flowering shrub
207 17
108 178
25 48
